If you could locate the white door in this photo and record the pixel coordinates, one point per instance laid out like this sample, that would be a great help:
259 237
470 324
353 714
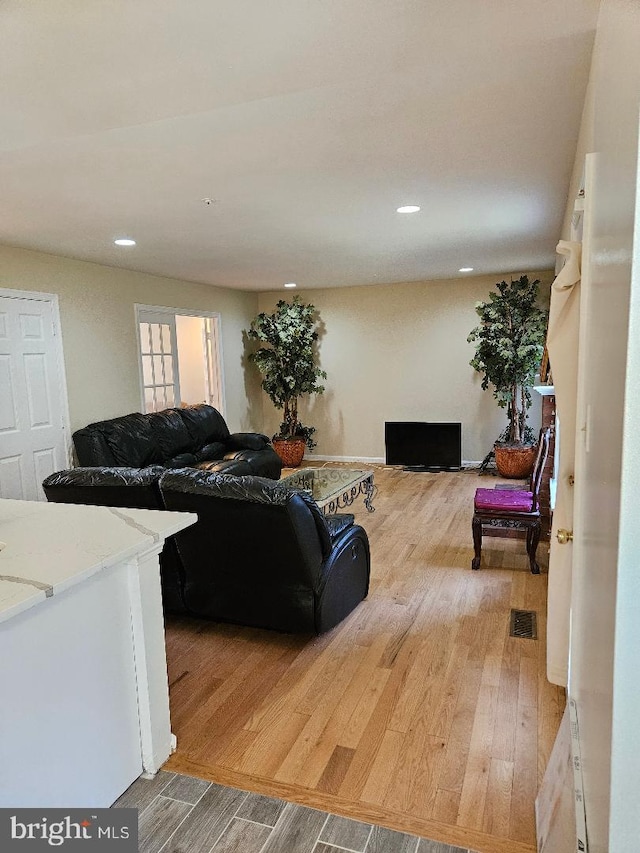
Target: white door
33 405
604 674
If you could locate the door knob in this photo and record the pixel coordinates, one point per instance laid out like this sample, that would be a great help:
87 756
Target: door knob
563 536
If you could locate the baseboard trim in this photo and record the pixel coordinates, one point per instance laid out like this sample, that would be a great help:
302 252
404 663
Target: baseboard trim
373 460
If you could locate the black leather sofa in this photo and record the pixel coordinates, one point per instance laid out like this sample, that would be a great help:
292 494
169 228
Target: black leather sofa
122 487
260 554
195 436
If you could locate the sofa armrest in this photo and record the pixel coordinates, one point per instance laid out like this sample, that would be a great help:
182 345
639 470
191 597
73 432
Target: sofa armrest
106 486
246 441
92 449
345 578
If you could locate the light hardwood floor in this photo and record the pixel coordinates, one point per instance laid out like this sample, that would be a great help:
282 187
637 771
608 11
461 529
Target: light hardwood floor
418 712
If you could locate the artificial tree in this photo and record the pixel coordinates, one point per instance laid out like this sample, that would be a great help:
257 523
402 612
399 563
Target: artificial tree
509 346
288 362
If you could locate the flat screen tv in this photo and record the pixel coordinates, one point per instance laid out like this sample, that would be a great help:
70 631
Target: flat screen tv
423 446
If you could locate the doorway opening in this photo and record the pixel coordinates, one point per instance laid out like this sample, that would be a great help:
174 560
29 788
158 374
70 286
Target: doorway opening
180 358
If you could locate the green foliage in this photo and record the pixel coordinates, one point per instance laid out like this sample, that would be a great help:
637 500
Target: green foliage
288 362
509 345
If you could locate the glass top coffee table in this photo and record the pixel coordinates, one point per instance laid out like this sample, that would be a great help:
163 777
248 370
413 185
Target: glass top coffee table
334 488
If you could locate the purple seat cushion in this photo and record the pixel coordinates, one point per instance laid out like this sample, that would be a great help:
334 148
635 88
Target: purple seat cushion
503 500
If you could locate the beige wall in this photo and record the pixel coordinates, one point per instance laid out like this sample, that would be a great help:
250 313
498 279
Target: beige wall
398 352
585 145
99 335
392 352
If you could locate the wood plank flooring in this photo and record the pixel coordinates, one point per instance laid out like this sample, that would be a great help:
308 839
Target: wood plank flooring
418 712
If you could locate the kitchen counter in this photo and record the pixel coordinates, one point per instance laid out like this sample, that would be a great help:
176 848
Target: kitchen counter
84 702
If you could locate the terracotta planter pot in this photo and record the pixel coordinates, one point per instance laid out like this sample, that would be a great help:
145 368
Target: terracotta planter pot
290 450
515 463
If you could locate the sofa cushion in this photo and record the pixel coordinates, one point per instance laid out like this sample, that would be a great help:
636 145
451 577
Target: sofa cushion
262 463
215 450
131 440
170 433
182 460
204 424
237 467
503 500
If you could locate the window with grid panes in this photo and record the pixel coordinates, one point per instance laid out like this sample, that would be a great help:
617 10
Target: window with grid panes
158 367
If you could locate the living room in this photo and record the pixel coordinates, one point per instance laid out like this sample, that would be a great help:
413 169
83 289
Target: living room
393 339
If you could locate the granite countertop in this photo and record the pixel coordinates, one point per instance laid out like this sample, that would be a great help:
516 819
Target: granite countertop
46 548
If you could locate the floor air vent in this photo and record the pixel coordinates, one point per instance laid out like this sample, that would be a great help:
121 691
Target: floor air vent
524 624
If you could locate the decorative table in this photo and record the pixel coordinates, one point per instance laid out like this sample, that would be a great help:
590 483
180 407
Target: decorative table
334 489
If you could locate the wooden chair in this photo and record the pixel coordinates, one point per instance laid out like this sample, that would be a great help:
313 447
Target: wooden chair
517 505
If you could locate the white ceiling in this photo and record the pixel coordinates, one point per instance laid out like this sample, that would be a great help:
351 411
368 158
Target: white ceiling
307 121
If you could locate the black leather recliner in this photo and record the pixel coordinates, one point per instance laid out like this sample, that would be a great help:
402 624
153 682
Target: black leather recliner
263 554
194 436
260 553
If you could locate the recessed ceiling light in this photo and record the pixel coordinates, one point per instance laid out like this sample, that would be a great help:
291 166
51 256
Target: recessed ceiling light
408 208
291 284
124 241
465 269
